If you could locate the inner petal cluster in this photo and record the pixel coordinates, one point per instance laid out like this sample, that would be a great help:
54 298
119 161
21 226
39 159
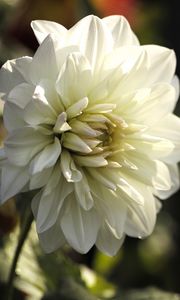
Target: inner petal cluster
89 133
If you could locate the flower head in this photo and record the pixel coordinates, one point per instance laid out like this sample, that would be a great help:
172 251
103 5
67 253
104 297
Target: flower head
90 125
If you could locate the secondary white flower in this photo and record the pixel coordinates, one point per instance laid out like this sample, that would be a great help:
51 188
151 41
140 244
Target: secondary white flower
90 125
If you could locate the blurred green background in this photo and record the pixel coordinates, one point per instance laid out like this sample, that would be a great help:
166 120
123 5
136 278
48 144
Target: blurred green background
154 261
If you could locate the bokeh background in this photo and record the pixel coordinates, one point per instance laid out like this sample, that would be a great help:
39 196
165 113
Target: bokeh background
154 261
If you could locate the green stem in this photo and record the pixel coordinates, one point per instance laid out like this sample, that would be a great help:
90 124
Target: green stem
23 235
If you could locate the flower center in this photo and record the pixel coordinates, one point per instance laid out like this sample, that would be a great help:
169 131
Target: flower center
88 133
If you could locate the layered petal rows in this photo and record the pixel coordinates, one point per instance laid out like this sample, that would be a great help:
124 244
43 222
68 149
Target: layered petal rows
91 126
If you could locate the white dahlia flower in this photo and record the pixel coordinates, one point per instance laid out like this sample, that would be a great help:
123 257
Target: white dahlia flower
90 125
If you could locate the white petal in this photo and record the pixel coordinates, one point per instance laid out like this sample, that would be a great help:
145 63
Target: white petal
107 242
121 31
152 146
175 83
46 158
74 79
80 227
74 142
53 238
90 161
23 143
12 73
162 63
148 106
12 117
169 128
141 218
40 179
50 205
173 173
112 207
38 110
61 125
21 94
83 193
44 63
93 39
43 28
162 180
68 168
77 108
83 128
48 87
12 181
158 63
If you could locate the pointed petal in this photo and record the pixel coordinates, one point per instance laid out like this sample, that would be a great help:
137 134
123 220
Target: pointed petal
43 28
80 227
12 181
90 161
12 117
38 110
51 205
23 143
77 108
169 128
53 238
68 168
83 193
44 63
107 242
46 158
40 179
173 182
93 39
112 208
12 73
74 142
121 31
21 94
74 79
141 218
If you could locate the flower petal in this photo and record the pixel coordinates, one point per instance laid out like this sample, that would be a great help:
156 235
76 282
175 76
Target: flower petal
46 158
44 63
43 28
172 179
23 143
13 180
93 38
80 227
76 70
38 110
83 193
51 205
169 128
121 31
107 242
21 94
52 238
112 207
12 117
141 218
40 179
68 168
12 73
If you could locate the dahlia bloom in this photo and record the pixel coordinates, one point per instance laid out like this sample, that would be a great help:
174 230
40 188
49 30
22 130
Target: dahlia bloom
90 127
